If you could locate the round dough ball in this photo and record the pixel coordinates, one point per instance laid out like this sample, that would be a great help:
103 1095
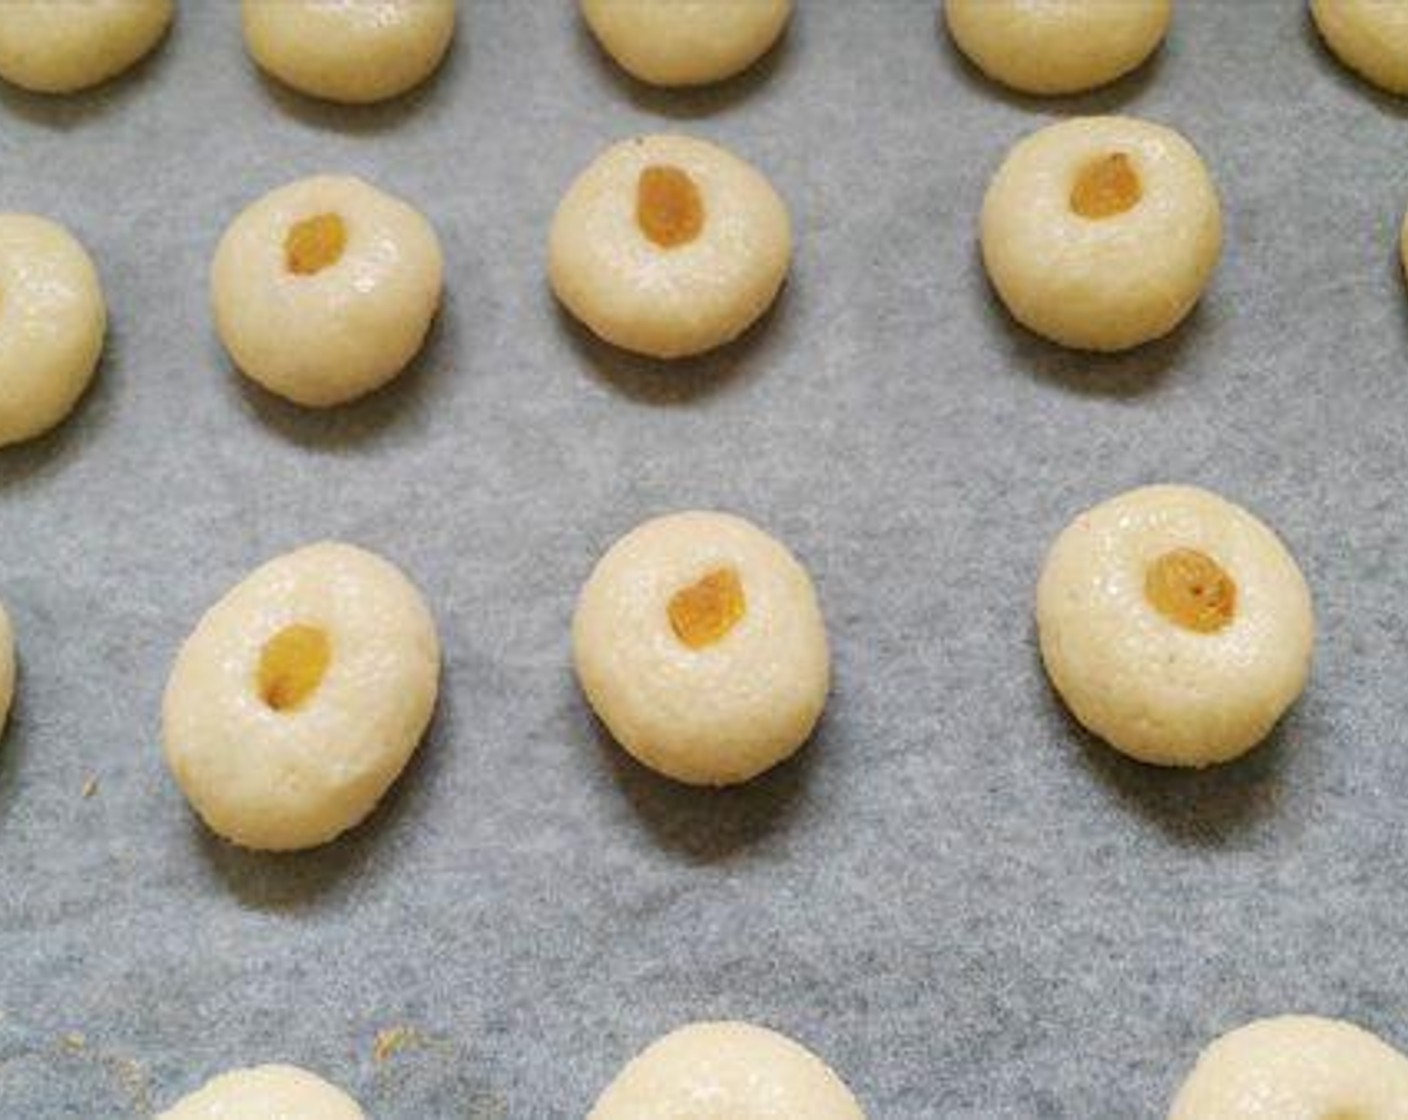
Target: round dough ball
62 46
1100 233
52 323
699 643
1368 36
1175 625
354 51
686 42
324 289
726 1071
266 1093
1296 1068
1057 46
301 696
7 666
669 246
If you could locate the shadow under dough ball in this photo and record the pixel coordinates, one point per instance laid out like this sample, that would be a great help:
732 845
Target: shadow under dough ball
7 667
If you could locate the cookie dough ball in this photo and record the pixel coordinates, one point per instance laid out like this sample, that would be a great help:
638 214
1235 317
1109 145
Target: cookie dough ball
1100 233
301 696
1057 46
686 42
1368 36
7 666
62 46
1296 1068
52 322
354 51
726 1071
266 1093
324 290
699 643
669 246
1175 625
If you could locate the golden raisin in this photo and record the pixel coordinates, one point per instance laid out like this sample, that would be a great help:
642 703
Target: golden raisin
1106 187
1191 589
705 611
669 208
292 666
315 244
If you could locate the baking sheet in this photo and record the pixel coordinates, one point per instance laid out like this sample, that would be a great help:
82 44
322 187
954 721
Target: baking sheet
967 906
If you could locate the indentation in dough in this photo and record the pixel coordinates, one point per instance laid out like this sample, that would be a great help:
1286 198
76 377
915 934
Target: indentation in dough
704 612
669 208
1191 589
292 666
1105 187
315 244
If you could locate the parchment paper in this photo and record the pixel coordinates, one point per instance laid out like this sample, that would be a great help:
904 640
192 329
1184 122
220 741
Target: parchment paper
966 905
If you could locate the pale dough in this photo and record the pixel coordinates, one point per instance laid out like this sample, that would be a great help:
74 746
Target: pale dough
7 666
1103 283
353 51
1368 36
1403 244
266 1093
683 299
1154 688
275 773
1057 46
726 1071
52 322
686 42
61 46
1296 1068
724 712
325 337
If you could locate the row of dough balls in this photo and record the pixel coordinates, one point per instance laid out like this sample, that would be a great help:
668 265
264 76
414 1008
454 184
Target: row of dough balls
1174 624
670 246
1099 233
368 51
350 52
1294 1067
302 694
324 289
371 50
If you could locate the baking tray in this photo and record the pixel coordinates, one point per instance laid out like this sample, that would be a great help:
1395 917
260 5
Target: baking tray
969 907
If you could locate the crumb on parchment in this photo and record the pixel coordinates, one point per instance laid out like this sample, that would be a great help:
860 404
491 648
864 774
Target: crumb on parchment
392 1041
